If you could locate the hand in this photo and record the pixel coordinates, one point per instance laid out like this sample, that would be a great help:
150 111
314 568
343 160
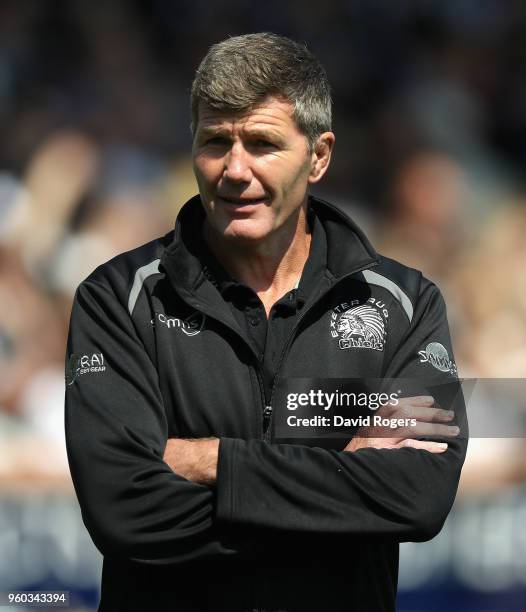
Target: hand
195 460
429 422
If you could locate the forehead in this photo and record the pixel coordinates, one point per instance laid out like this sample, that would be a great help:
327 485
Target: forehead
271 113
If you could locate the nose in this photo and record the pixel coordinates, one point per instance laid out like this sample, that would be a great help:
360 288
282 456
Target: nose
237 164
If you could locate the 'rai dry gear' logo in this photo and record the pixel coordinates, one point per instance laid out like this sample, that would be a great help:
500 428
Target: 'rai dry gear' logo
78 365
359 327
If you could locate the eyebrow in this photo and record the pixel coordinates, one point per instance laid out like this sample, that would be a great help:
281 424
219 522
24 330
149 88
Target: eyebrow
253 133
211 130
265 133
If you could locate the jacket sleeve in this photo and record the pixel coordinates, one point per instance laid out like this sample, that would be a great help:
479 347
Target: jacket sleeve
133 505
403 493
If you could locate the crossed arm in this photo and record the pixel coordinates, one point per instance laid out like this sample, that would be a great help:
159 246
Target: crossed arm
197 459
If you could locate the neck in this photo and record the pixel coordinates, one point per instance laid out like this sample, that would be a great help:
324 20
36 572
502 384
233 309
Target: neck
271 268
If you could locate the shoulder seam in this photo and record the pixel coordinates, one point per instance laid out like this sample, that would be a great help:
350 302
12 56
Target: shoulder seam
141 274
374 278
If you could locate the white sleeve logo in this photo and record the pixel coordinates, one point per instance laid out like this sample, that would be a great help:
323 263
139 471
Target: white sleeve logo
83 364
437 355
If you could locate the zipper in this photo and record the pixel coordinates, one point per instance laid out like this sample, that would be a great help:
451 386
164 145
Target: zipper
267 413
262 396
267 416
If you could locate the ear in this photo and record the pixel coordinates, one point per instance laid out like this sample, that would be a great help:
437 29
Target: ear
321 156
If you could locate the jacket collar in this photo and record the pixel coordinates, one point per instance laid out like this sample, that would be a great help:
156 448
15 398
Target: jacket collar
348 249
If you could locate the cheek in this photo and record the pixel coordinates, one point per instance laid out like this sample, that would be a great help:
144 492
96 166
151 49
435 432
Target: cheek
206 170
281 174
295 180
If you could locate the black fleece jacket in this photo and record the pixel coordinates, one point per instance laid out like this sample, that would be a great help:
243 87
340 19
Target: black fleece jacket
155 352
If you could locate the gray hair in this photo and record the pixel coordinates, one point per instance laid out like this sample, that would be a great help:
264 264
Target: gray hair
241 71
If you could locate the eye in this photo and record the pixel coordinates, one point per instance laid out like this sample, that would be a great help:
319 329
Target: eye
216 140
261 143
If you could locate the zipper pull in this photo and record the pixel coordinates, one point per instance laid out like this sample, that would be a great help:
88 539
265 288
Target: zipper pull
267 413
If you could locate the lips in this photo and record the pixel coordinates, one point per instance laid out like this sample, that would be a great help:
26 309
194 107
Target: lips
242 201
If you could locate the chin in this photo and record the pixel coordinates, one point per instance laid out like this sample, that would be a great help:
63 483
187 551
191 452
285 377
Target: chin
245 231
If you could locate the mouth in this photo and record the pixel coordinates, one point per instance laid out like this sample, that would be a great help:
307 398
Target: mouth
242 201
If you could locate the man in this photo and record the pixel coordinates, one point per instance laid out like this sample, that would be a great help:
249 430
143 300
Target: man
175 354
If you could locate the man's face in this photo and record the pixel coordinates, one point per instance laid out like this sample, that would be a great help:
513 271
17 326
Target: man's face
252 169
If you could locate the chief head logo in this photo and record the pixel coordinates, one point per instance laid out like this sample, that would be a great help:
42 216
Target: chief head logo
360 327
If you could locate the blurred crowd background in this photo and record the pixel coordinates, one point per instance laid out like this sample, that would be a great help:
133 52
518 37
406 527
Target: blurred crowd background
430 120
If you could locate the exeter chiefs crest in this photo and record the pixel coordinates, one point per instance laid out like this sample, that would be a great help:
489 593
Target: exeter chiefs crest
359 327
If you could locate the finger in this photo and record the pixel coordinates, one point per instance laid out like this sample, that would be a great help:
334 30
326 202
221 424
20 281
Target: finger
432 447
405 405
436 429
428 430
418 400
426 414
